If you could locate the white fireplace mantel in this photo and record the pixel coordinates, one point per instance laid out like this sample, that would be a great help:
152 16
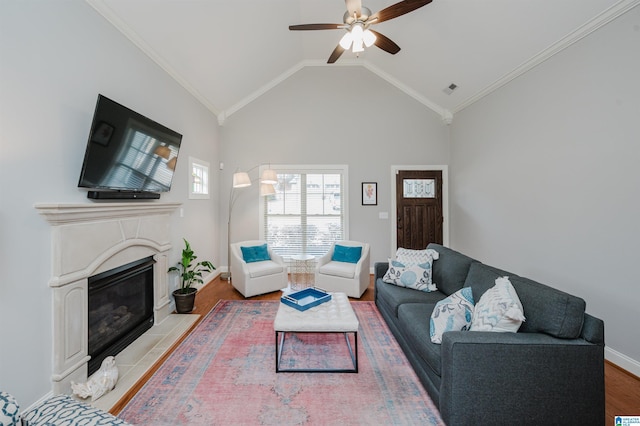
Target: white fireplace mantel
88 239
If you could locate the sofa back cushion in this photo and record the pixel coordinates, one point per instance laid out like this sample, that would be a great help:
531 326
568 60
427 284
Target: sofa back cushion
450 270
546 309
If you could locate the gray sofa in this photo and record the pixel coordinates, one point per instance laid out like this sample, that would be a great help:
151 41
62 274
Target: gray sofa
550 372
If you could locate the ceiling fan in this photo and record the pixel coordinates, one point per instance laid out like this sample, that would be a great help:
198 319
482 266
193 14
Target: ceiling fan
357 21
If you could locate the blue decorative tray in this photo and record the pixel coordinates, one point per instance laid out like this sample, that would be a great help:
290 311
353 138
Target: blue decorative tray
306 299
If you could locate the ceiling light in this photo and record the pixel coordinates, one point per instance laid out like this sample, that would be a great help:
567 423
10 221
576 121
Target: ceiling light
356 33
345 41
368 37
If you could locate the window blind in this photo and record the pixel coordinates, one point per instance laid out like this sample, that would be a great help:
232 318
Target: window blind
307 213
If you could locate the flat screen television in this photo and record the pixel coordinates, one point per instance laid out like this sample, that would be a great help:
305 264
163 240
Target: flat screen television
128 155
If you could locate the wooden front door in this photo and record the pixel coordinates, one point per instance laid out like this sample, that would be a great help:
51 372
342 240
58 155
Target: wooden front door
418 208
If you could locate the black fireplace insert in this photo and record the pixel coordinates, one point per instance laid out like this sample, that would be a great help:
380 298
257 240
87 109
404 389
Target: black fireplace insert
120 309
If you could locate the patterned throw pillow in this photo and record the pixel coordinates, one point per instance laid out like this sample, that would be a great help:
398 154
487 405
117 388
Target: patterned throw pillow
499 309
417 277
451 314
9 410
410 257
64 410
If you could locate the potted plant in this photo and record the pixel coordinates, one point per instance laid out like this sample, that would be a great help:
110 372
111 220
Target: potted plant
190 273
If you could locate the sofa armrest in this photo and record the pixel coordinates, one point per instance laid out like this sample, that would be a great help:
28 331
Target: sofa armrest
493 378
379 269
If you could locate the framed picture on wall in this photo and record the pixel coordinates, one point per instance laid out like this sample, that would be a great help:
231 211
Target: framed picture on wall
369 193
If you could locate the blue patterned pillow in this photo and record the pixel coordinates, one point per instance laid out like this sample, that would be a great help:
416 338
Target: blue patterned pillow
452 314
499 309
9 410
255 253
417 277
64 410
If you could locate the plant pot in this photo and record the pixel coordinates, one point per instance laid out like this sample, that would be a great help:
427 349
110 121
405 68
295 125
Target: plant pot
185 301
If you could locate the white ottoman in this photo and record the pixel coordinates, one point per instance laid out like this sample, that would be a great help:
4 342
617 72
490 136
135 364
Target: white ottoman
334 316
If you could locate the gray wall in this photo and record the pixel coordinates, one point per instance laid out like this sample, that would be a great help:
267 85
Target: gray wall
331 115
545 179
56 58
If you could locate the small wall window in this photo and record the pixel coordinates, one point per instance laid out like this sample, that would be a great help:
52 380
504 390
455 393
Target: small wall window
199 179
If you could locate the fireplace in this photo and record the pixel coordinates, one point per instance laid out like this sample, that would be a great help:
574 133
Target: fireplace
88 240
120 309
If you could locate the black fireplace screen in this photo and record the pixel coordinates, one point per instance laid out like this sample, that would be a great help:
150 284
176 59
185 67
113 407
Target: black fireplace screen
120 309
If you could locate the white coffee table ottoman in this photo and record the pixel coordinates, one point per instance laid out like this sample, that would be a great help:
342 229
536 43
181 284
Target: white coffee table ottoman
334 316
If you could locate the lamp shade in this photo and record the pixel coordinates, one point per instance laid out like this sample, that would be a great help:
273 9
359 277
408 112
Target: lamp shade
266 189
171 164
269 176
241 180
163 151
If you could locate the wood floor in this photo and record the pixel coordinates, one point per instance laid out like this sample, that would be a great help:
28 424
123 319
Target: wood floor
622 389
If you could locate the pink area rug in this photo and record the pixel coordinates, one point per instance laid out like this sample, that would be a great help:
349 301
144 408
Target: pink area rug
224 374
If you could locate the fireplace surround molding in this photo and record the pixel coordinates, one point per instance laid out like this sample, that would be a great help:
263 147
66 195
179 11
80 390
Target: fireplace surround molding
87 239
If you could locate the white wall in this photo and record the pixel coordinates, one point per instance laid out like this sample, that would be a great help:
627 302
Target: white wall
545 179
332 115
55 59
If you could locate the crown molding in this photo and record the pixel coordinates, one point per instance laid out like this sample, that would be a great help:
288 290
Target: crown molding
613 12
101 7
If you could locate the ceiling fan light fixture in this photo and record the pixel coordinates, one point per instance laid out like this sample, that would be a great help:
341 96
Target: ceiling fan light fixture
346 40
357 33
368 37
358 46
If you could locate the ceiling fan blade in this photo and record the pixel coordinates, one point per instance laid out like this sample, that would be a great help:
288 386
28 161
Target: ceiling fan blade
305 27
397 9
354 6
385 43
335 54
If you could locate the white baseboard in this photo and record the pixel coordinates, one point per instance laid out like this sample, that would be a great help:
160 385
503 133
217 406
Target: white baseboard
622 361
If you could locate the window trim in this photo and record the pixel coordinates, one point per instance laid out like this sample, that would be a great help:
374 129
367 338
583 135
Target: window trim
343 169
203 165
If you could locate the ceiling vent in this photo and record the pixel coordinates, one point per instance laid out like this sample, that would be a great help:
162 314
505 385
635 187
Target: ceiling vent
450 88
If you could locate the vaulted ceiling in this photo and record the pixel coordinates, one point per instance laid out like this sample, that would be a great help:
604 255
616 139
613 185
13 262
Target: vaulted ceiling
228 52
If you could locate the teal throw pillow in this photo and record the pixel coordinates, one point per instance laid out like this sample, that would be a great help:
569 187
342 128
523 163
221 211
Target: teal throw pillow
255 253
346 254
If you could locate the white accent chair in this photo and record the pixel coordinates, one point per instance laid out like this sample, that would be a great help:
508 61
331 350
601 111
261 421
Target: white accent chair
260 277
350 278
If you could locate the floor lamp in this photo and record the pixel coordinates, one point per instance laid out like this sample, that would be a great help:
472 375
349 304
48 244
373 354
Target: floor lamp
268 178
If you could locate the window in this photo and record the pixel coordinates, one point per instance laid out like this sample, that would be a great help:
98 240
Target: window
308 211
199 179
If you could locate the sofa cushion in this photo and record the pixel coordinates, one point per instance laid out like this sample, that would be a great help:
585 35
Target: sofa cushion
417 277
451 314
263 268
547 309
349 254
255 253
410 257
414 322
338 269
450 271
499 309
393 296
482 277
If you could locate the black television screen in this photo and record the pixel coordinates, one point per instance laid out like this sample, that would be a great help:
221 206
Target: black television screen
127 152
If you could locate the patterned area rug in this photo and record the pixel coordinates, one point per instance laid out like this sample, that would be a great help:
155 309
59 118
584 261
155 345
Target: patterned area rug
224 374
